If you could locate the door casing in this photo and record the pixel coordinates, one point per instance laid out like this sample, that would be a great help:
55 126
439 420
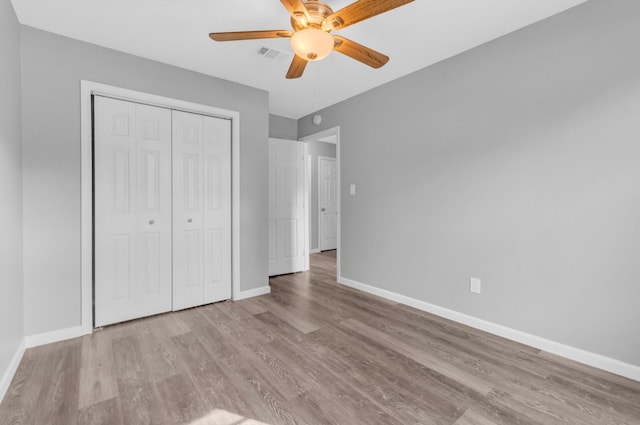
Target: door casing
334 131
87 90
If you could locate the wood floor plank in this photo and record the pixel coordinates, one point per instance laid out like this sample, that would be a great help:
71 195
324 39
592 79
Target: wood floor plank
140 405
423 357
106 412
460 331
244 326
139 399
19 404
270 406
295 318
128 362
327 372
471 417
251 305
57 403
168 325
278 326
399 383
97 374
310 352
181 400
157 349
618 386
383 389
214 385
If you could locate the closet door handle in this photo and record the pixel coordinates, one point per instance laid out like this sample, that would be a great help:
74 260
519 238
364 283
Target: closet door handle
189 220
151 222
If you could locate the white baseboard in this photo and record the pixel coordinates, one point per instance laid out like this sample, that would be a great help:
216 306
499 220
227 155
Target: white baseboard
591 359
11 370
54 336
314 250
250 293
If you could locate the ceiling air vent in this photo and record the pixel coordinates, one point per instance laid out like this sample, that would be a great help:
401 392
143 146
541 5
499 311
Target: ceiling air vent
273 54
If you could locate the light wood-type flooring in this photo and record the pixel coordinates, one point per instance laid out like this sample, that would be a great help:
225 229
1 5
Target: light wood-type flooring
311 352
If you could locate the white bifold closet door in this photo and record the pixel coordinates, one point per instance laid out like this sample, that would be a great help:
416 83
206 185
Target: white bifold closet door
132 210
201 209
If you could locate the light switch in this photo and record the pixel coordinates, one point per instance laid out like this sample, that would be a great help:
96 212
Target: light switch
475 285
352 189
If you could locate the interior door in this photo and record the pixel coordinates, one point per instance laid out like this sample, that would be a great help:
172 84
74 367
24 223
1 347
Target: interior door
327 204
201 209
132 214
286 207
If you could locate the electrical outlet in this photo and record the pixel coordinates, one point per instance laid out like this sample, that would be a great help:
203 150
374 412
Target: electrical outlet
475 285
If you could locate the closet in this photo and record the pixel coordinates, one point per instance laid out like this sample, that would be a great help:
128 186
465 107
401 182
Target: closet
162 210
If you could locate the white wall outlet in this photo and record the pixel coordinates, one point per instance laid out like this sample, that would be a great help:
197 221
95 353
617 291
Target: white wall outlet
352 189
475 285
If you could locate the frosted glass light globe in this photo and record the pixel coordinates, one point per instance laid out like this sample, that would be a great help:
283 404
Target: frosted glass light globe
312 44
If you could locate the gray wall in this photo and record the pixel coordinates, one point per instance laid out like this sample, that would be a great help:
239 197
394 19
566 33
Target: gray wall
52 67
516 162
11 287
282 127
317 149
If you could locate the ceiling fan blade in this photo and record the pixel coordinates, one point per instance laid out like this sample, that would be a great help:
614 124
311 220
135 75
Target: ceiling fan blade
359 52
249 35
361 10
297 9
297 67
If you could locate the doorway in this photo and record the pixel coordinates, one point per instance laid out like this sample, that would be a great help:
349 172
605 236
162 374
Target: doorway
322 140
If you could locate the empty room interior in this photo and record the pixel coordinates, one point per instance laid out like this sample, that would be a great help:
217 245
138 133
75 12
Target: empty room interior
320 212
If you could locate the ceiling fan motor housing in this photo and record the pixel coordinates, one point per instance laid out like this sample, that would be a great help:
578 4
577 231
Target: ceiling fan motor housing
317 12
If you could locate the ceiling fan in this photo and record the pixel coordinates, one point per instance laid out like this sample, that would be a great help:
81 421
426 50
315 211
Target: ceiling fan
312 22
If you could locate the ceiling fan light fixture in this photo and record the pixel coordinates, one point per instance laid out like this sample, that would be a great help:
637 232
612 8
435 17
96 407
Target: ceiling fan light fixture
312 44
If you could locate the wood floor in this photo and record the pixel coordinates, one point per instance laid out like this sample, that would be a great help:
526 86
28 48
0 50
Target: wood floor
311 352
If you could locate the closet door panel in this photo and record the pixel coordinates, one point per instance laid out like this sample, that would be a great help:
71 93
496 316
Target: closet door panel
188 192
217 209
115 212
132 216
154 210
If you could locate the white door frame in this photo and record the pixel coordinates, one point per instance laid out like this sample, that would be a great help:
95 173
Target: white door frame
88 89
334 131
307 204
307 188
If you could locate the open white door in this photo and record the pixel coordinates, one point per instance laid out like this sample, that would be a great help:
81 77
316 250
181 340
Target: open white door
287 219
327 204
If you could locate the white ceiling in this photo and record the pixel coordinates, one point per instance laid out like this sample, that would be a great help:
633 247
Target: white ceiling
176 32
